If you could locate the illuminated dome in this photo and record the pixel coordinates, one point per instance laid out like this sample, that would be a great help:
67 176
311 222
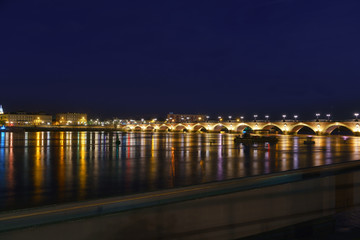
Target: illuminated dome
1 110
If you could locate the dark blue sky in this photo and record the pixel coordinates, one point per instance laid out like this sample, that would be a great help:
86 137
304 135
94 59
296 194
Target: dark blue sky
138 58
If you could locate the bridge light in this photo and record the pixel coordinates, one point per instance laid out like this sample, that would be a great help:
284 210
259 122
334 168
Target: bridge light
255 116
317 116
267 117
356 116
284 116
242 118
295 117
230 118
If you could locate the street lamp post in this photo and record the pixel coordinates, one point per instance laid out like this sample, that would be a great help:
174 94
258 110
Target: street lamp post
219 117
267 117
317 116
242 118
328 116
356 117
255 116
295 117
207 118
284 117
230 118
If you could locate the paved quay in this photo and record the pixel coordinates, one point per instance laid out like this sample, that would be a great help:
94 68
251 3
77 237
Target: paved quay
272 185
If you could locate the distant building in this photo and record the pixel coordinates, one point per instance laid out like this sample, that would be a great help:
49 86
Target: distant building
177 118
71 118
1 110
23 118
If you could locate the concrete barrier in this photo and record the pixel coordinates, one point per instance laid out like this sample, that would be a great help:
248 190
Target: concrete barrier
231 215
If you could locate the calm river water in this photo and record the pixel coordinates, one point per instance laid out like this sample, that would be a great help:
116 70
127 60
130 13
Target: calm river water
38 168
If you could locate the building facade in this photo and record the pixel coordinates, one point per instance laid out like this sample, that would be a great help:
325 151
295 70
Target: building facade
177 118
71 119
22 118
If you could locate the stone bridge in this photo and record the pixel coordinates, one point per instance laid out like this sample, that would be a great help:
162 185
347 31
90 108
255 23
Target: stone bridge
283 127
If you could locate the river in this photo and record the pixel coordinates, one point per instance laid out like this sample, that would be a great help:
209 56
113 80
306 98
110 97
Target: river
41 168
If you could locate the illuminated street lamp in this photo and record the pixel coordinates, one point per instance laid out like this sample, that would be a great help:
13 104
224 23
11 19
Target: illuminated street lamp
284 117
219 117
207 118
242 118
356 116
182 119
317 116
230 118
328 116
295 117
255 116
267 117
187 119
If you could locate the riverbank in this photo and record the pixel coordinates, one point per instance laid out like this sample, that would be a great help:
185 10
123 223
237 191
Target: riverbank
59 128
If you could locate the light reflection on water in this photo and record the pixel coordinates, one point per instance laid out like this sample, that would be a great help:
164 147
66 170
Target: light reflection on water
39 168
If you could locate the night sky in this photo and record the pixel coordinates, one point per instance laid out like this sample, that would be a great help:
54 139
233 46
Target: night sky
147 58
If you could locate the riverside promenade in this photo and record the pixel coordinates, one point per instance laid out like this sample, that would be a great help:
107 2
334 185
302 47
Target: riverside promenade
220 210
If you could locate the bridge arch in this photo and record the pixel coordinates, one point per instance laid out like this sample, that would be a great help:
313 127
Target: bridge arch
301 126
199 127
330 129
180 127
220 128
149 128
241 127
137 128
164 128
126 128
271 126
